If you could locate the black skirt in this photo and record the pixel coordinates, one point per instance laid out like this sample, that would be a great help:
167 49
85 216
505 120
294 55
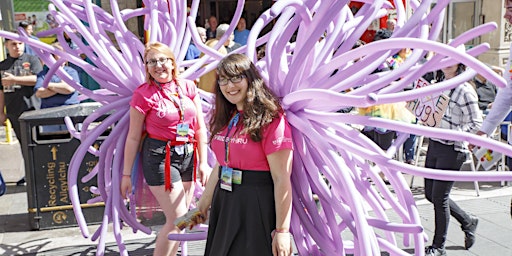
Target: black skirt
241 220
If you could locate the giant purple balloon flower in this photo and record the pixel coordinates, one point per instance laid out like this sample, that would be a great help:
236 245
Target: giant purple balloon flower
332 159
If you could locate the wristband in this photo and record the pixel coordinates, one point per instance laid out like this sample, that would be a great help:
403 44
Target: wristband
127 175
282 230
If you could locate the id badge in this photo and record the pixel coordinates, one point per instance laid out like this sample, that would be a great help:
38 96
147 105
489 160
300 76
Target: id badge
182 132
226 178
237 177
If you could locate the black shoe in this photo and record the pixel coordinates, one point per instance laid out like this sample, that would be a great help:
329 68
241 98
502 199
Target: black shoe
469 240
21 182
432 251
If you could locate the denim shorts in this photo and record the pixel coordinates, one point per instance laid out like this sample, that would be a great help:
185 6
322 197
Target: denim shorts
153 162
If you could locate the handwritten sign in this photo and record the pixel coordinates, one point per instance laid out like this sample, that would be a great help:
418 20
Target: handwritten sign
430 109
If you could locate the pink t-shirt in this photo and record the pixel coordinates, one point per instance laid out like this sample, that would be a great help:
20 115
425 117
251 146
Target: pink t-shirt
245 154
161 107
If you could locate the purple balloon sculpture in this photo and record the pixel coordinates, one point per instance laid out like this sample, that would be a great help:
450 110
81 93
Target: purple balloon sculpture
332 159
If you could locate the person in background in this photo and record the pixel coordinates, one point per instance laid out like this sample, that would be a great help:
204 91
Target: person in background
168 110
250 191
463 115
58 92
390 25
34 21
393 111
409 146
486 90
503 101
211 31
241 32
229 43
29 29
192 51
202 34
17 101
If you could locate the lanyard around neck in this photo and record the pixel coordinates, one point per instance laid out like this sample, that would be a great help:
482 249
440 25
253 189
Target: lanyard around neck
232 123
176 102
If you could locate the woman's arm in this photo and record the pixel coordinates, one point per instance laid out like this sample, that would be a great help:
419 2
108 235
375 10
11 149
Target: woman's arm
206 198
130 149
201 137
280 163
472 112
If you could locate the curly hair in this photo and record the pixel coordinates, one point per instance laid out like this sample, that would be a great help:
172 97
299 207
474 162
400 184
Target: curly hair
260 107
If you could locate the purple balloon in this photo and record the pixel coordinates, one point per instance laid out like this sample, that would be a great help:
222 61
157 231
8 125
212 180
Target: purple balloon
331 157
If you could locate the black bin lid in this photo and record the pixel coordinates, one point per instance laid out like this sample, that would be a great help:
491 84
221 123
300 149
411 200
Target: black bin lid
76 110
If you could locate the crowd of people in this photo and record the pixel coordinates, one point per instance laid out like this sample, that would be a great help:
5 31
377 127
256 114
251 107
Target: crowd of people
22 77
168 132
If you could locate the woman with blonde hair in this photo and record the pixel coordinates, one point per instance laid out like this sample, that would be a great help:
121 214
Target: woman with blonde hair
167 109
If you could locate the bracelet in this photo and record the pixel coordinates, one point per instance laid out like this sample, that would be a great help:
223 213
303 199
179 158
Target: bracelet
282 230
127 175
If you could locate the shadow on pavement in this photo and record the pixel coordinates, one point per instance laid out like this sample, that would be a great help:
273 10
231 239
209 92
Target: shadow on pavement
144 247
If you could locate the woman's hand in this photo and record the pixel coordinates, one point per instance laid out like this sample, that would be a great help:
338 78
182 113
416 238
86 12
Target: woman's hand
126 186
204 171
282 244
197 219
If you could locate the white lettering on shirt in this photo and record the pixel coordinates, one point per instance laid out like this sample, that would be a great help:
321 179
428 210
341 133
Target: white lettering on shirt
281 140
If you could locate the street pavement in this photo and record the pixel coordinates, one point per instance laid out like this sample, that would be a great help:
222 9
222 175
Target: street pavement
492 207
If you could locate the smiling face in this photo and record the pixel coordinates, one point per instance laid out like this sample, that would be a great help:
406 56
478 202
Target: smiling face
159 66
235 90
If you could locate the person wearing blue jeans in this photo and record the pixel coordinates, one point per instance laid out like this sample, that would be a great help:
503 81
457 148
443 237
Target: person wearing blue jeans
410 149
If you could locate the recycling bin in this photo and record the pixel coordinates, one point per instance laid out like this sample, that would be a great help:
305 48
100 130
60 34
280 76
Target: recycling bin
47 154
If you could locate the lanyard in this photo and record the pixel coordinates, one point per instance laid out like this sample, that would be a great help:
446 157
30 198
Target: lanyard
178 105
232 122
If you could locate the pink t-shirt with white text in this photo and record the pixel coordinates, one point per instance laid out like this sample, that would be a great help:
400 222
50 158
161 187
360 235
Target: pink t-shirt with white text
245 154
160 106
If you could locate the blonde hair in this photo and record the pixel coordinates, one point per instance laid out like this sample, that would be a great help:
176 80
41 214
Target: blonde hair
161 48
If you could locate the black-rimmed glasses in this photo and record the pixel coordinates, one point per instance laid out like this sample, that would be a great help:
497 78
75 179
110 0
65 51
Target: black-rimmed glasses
234 79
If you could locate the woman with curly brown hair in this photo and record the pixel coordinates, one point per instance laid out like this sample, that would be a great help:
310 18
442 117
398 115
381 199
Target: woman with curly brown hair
249 190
